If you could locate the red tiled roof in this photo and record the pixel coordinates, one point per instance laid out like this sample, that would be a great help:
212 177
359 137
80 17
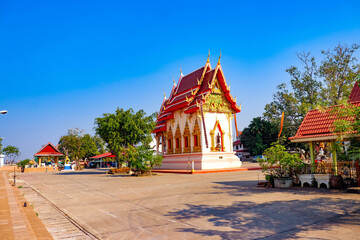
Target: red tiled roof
318 123
355 93
104 155
48 150
190 91
189 81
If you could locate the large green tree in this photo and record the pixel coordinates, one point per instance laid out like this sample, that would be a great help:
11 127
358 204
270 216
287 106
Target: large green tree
259 135
339 71
124 130
312 86
11 152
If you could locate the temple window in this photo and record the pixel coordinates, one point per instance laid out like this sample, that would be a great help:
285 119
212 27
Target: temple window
178 147
169 147
187 148
196 136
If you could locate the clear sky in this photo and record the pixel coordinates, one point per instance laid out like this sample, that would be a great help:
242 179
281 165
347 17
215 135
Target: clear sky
64 63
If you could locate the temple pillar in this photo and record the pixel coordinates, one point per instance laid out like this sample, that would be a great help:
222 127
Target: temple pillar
39 158
56 160
334 158
157 144
312 157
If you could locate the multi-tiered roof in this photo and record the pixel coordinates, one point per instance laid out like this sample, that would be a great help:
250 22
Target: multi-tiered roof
191 92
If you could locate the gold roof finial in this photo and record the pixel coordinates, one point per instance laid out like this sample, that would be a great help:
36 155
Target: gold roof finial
174 79
181 71
198 81
164 95
208 60
219 57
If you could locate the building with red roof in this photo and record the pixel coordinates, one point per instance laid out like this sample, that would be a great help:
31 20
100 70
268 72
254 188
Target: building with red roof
195 122
317 126
48 151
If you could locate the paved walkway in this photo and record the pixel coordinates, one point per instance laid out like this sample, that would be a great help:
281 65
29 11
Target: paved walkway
202 206
16 221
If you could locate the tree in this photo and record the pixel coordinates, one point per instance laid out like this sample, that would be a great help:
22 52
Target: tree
11 152
339 71
303 95
123 130
259 135
312 87
88 146
71 144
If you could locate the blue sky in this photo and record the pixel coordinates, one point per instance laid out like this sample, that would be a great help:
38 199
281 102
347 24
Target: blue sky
64 63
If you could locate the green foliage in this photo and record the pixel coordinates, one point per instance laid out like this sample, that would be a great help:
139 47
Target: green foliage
72 145
259 135
11 152
23 163
123 130
312 87
339 70
142 158
1 139
279 163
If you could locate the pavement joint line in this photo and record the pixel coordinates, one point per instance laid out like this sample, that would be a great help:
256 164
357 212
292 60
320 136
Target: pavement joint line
75 223
146 208
107 213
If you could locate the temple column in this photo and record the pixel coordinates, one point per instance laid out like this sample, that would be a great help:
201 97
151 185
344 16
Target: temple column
312 157
56 160
39 161
163 145
334 158
157 144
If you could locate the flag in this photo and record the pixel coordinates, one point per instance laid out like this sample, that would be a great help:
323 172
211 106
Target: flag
281 124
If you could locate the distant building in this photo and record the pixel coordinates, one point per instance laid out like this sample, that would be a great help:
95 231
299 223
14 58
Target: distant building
241 152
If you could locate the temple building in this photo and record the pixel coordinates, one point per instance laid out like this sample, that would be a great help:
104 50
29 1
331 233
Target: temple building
194 125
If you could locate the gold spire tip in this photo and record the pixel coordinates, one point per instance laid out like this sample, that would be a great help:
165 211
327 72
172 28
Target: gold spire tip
180 70
174 80
208 56
219 57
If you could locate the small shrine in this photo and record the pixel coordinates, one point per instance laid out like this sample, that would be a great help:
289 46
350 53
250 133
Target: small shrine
316 130
48 152
194 125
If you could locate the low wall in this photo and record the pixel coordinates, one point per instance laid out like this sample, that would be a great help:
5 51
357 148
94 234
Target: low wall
40 169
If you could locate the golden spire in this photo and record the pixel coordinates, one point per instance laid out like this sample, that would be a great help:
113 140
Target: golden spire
174 79
208 57
219 58
180 71
164 95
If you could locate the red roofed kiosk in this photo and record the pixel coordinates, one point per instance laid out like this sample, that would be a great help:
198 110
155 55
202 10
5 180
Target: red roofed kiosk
317 127
48 151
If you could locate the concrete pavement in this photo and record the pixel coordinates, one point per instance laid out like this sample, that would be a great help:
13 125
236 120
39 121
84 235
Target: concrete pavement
204 206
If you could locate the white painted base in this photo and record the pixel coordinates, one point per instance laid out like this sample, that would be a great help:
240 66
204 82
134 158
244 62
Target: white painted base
202 161
306 178
323 179
2 157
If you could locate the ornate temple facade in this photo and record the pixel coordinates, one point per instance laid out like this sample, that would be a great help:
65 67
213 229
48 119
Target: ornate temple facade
194 125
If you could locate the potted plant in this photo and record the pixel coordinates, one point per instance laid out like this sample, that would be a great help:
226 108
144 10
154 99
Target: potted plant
280 165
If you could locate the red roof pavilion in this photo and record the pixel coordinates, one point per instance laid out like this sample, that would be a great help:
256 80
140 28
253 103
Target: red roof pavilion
48 150
104 155
317 125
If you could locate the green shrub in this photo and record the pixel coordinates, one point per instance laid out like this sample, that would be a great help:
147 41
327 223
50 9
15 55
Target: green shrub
280 164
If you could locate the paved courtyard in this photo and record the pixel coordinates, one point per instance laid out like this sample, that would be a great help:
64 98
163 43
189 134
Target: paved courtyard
203 206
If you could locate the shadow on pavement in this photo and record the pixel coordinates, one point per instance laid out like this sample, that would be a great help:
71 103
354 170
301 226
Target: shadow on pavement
271 219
